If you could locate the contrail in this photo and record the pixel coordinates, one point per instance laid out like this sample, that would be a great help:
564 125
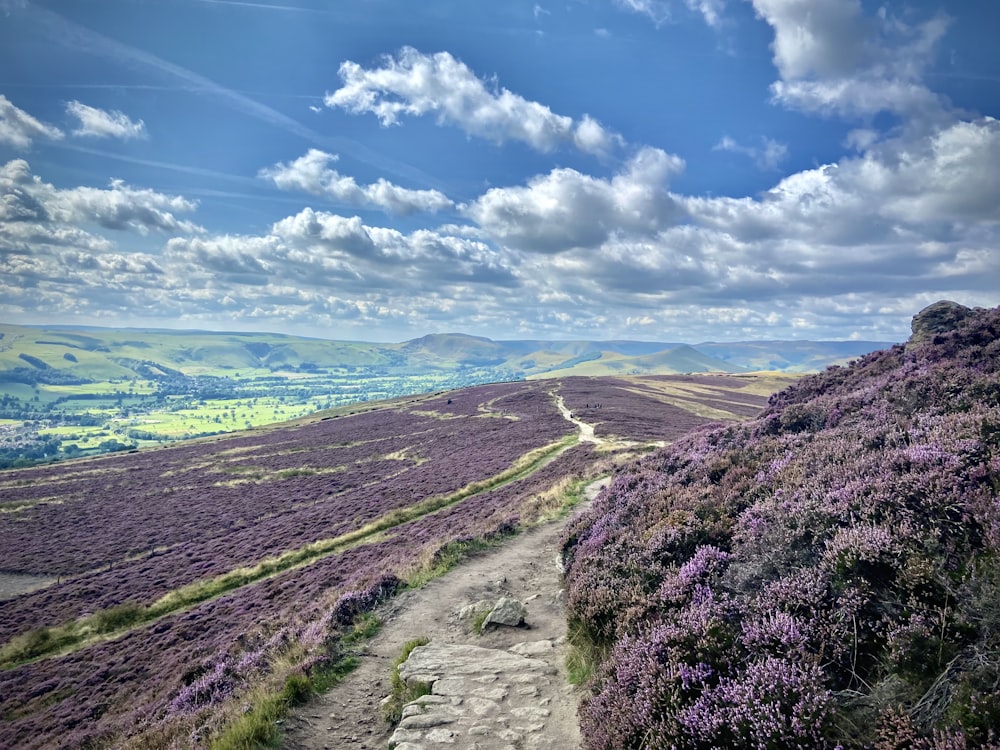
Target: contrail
73 34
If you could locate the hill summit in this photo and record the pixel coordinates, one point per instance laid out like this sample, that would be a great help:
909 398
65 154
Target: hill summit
825 575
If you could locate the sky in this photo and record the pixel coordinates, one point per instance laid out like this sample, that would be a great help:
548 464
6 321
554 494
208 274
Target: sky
670 170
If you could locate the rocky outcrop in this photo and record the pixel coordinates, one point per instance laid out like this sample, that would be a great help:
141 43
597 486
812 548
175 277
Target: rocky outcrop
940 317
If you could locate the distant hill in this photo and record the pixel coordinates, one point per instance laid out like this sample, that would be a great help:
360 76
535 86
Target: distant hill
680 359
68 353
790 356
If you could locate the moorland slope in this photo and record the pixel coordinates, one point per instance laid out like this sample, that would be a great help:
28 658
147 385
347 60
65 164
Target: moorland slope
190 594
825 575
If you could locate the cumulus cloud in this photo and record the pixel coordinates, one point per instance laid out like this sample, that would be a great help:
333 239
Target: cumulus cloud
323 250
881 234
312 174
567 209
53 261
768 156
122 206
414 83
99 123
903 190
19 129
37 206
832 58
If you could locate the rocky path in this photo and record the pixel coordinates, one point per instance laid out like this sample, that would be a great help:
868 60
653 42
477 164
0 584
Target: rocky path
505 688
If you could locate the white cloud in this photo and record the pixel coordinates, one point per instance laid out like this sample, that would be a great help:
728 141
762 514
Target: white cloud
322 251
857 96
40 205
19 129
898 190
823 38
414 83
311 174
832 58
99 123
566 209
123 207
952 176
767 156
659 11
711 10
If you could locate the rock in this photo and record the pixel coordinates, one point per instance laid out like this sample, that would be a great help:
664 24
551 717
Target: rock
940 317
436 660
533 648
499 688
474 610
509 612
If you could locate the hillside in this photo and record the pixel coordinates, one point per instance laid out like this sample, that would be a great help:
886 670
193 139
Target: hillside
824 575
176 596
67 392
77 354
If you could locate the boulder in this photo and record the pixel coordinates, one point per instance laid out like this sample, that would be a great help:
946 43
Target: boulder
474 610
940 317
507 611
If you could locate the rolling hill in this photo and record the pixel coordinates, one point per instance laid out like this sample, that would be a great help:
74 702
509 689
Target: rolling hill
86 353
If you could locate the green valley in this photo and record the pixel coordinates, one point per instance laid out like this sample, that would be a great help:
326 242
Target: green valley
74 391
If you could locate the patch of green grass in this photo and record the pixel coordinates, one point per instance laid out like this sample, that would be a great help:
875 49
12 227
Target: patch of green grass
479 620
585 654
444 559
402 693
255 729
116 618
329 674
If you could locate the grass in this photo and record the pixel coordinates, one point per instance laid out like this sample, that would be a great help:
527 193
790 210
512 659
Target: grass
480 620
269 703
444 559
402 693
61 639
584 656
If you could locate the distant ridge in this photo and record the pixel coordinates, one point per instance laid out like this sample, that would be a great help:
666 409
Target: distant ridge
680 359
108 352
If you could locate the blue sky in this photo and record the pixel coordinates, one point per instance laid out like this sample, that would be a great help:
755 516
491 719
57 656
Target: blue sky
677 170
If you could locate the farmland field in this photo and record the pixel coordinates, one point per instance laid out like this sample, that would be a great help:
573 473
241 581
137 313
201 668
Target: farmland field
176 582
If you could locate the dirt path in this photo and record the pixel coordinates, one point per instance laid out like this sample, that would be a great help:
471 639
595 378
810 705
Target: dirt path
586 430
525 568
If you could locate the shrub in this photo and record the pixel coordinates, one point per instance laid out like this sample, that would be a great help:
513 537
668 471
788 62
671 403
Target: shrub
823 575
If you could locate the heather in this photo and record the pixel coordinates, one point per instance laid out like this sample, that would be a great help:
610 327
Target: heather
206 587
823 575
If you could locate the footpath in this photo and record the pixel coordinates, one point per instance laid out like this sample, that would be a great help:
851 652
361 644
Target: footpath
502 689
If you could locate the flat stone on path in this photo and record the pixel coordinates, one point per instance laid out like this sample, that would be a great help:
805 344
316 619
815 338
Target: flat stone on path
461 712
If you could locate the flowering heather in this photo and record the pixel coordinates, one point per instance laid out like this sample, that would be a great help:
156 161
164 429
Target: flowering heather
125 530
825 575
